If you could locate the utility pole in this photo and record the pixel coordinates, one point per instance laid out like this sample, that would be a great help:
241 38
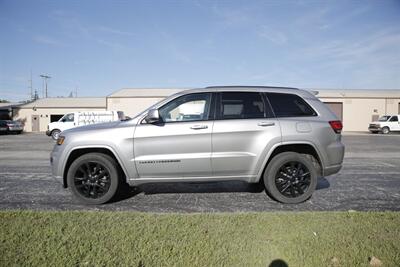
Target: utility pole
45 77
30 86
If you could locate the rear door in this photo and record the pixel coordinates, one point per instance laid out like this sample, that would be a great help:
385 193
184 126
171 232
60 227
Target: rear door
244 131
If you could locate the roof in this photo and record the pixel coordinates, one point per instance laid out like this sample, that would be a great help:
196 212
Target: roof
164 92
68 102
9 105
145 92
249 87
357 93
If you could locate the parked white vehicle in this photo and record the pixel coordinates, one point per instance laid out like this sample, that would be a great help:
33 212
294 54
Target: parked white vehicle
385 124
75 119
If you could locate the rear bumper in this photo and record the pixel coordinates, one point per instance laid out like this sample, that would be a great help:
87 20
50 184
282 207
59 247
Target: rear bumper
15 128
332 169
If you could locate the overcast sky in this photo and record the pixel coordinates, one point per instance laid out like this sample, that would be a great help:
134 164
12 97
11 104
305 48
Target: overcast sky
102 46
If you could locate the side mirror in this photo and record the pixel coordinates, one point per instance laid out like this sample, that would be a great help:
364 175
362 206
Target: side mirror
152 116
63 120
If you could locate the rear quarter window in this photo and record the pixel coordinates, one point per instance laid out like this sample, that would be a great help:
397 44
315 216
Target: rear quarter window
289 105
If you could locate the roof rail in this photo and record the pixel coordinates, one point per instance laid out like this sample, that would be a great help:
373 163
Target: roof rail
244 86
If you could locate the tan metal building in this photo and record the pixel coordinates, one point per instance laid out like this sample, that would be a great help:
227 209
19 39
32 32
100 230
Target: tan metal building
38 114
133 101
356 108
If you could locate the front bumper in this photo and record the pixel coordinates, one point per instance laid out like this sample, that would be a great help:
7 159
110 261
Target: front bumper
374 128
48 133
55 165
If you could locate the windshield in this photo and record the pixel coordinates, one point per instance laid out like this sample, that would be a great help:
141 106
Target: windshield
67 117
384 118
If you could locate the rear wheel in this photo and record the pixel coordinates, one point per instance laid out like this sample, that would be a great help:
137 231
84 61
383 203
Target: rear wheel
93 178
290 178
385 130
55 134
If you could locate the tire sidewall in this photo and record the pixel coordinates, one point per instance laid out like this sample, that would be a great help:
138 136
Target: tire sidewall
105 160
385 130
54 132
273 168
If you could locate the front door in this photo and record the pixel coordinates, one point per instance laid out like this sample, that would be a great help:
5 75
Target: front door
67 122
180 144
394 123
35 123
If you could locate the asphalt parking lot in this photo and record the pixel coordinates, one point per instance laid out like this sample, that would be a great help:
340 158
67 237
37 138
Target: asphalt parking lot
369 180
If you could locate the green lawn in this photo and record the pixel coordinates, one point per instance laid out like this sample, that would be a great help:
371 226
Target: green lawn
238 239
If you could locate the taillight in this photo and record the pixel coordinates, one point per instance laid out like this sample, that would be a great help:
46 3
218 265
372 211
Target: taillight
337 126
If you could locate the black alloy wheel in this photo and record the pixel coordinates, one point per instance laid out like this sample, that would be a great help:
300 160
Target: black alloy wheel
92 180
290 177
293 179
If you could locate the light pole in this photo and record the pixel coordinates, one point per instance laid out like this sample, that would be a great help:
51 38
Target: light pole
45 77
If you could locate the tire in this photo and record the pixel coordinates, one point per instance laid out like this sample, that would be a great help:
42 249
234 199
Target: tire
99 184
299 181
385 130
55 134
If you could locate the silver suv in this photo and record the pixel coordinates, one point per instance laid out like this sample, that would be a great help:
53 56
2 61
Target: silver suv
283 138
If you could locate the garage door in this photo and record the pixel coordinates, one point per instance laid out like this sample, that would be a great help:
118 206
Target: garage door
337 108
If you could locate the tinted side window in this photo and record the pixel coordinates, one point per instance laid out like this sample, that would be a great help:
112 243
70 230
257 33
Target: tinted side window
394 118
241 105
288 105
192 107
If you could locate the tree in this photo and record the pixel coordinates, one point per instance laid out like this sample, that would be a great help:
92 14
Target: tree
4 101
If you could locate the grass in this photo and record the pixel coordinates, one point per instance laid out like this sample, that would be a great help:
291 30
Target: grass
29 238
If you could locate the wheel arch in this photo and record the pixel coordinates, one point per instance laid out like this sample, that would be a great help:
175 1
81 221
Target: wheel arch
301 148
79 151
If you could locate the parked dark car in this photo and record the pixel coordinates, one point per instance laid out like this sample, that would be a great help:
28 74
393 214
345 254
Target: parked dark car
8 126
3 127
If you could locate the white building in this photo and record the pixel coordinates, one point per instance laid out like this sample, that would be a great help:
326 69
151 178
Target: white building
38 114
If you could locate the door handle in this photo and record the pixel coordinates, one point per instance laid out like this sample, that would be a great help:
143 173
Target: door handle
265 124
198 127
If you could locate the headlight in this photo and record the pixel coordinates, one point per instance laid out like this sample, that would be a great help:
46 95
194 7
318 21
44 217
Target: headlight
60 140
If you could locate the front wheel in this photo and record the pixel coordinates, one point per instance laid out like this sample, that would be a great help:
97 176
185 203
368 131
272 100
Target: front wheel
93 178
55 134
385 130
290 178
